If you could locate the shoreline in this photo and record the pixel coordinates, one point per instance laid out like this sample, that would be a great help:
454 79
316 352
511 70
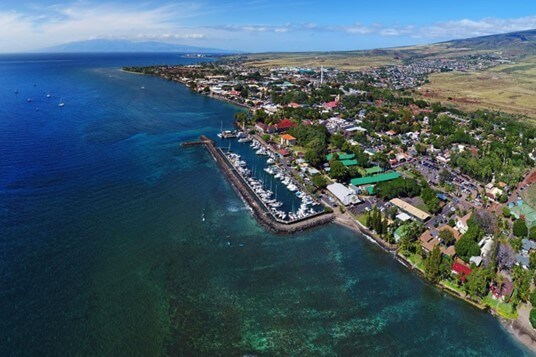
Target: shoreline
521 331
518 330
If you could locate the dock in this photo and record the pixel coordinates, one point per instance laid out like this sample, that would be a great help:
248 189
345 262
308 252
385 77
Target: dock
262 214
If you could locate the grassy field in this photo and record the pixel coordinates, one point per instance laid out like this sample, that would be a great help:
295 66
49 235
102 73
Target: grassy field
503 309
509 88
326 59
529 196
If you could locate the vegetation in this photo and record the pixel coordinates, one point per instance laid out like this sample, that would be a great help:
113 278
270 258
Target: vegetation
400 187
467 246
520 228
432 265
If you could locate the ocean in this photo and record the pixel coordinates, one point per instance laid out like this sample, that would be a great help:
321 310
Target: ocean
103 250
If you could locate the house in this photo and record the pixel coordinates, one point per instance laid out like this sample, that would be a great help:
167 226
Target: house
428 241
287 139
461 270
527 246
284 125
404 217
265 128
522 261
284 152
476 260
343 194
461 223
502 292
331 105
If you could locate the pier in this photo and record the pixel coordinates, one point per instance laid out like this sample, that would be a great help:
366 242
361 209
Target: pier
260 211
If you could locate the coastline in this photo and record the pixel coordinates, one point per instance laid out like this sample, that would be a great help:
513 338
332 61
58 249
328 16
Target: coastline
521 329
518 329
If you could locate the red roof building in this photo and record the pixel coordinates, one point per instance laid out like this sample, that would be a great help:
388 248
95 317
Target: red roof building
285 125
284 152
461 270
331 105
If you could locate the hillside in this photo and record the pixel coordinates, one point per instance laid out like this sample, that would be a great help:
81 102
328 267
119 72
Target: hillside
515 44
521 43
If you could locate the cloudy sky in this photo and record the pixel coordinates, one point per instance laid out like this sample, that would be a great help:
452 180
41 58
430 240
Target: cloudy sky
259 25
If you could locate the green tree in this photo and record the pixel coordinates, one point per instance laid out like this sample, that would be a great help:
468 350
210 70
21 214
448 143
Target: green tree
466 247
432 265
522 279
337 140
337 170
532 233
520 228
532 317
506 212
320 181
477 283
447 237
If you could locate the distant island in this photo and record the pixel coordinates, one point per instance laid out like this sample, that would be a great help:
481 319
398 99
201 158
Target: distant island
103 45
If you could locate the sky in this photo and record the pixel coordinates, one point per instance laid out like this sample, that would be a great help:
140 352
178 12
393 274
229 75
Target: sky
259 25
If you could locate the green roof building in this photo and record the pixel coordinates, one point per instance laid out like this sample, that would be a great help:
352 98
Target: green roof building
342 156
349 162
369 180
373 170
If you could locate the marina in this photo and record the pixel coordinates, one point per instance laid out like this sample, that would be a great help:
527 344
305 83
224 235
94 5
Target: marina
271 208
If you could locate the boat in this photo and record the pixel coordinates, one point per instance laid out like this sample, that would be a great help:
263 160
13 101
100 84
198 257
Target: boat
28 100
244 140
227 134
48 95
61 103
203 216
16 91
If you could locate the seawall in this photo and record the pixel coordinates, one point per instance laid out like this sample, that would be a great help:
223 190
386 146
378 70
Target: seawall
260 212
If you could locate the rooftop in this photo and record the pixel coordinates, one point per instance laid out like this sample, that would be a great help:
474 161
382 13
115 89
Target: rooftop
412 210
375 179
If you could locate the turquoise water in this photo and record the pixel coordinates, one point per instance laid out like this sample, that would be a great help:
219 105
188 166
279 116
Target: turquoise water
103 250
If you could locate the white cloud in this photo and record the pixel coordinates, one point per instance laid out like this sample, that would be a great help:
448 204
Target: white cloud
79 21
471 28
43 26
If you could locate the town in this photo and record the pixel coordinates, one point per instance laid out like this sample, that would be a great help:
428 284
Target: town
452 193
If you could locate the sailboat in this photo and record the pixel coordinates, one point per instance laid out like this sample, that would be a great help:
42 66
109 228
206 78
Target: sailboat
61 104
203 215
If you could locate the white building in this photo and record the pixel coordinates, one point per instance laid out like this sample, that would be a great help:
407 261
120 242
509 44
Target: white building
343 193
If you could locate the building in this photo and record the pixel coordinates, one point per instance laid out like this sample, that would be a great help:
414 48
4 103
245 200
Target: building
502 292
428 241
265 128
343 194
285 125
461 270
461 223
410 209
368 180
287 139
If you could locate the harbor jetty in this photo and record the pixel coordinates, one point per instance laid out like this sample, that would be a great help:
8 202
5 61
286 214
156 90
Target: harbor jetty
263 215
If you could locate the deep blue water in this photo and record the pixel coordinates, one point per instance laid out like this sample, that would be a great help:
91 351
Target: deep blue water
103 250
